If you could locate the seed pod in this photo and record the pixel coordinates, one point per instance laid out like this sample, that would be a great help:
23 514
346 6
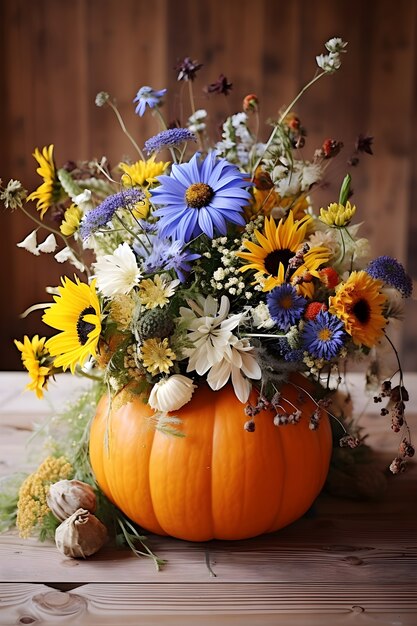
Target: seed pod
81 535
67 496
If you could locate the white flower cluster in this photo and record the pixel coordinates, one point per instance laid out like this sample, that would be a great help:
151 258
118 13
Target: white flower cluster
197 121
238 144
331 62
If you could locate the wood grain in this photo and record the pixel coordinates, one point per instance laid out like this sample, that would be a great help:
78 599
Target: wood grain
344 562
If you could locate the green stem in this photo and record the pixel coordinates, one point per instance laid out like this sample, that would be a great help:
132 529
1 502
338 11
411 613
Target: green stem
283 115
124 129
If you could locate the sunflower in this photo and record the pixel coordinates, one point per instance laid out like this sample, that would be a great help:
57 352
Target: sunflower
277 245
49 192
359 304
75 312
142 172
36 359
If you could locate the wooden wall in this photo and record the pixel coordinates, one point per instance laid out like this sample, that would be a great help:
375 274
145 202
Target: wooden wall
55 55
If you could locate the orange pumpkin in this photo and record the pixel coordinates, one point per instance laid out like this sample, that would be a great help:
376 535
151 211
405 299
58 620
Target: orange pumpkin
218 481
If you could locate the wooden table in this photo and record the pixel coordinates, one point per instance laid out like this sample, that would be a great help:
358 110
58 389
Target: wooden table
347 563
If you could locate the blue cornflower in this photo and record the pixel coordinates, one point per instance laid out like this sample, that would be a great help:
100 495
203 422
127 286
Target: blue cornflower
392 273
169 255
200 197
285 306
324 336
168 139
286 352
148 96
102 214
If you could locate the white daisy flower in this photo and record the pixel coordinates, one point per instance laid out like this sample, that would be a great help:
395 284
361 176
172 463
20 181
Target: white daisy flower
239 365
117 273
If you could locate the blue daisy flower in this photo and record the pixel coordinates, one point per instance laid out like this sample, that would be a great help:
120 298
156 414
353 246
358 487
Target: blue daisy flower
392 273
147 96
285 306
324 336
200 197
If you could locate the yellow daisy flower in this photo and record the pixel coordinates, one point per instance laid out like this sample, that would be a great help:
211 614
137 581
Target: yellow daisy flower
337 214
156 356
49 191
277 245
141 209
75 312
359 304
35 359
71 221
142 172
156 292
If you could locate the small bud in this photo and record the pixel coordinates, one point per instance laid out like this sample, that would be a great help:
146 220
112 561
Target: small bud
250 426
250 103
345 191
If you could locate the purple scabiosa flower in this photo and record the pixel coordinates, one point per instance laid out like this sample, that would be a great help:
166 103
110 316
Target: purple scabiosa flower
169 255
168 139
200 197
285 306
103 213
324 336
148 96
392 272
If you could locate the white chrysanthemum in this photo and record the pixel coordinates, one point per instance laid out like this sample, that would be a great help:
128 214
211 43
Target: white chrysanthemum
30 243
170 394
117 273
239 364
210 332
261 317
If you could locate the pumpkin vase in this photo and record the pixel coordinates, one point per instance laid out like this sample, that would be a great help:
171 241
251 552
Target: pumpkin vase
217 481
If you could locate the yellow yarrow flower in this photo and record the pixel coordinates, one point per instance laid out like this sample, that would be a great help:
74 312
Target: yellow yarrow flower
71 221
156 356
32 506
338 215
37 361
49 192
142 173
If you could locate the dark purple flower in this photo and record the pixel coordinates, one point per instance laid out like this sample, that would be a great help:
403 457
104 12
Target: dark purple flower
221 86
187 69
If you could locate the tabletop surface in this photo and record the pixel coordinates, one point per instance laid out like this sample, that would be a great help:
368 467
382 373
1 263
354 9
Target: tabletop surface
346 562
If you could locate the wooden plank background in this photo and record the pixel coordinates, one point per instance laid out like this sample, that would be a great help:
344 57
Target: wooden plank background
56 55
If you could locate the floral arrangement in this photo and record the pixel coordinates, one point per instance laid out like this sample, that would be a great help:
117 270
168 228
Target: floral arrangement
205 262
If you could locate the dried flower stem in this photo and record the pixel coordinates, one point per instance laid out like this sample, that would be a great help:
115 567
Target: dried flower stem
124 129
